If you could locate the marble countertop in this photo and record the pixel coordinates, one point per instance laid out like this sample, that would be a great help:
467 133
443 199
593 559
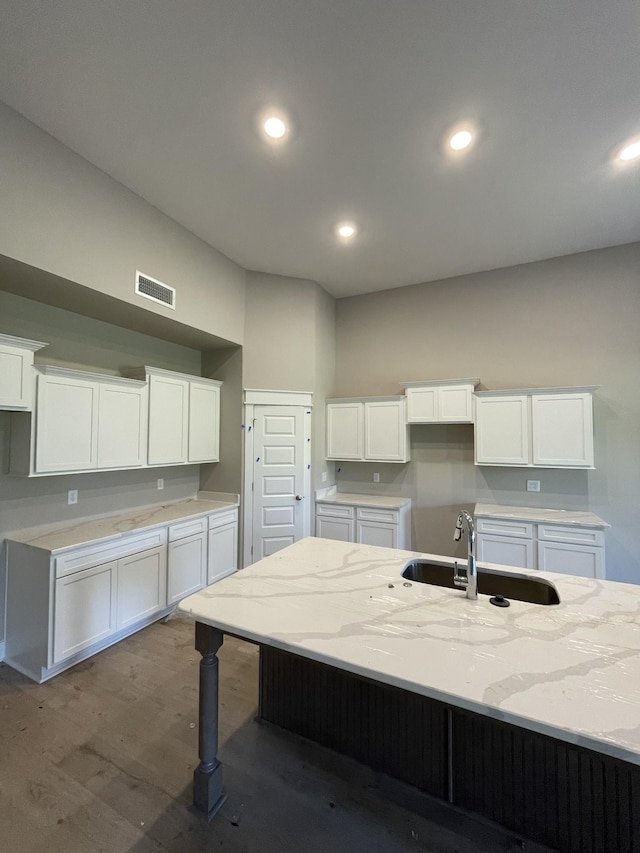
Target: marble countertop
377 501
569 517
571 670
59 537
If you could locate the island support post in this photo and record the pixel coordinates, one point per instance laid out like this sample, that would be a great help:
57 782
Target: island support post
208 795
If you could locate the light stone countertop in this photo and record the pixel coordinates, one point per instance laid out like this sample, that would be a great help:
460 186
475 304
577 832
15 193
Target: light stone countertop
571 670
59 537
377 501
569 517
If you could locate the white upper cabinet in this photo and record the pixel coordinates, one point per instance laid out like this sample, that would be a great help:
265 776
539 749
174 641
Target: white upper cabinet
82 422
545 428
345 437
502 430
367 429
562 430
16 372
447 401
67 422
204 420
385 431
184 417
168 419
122 424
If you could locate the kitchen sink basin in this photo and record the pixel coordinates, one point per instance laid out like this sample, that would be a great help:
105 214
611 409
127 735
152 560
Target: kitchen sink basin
519 587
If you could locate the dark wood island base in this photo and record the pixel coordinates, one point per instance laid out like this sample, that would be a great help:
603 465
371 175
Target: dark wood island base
546 790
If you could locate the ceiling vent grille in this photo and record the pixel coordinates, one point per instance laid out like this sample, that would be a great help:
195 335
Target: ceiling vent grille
153 289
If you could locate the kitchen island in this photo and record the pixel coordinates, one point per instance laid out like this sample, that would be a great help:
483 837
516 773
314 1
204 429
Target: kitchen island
528 698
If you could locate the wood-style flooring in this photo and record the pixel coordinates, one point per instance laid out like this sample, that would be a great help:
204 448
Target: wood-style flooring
100 759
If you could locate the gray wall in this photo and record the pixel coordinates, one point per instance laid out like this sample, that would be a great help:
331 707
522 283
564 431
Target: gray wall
567 321
290 345
65 216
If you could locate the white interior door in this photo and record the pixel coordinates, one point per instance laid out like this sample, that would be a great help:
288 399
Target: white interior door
279 499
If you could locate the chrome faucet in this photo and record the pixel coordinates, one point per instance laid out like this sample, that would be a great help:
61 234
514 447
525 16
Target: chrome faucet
469 580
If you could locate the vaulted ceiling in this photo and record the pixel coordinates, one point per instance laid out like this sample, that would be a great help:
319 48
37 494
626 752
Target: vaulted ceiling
165 96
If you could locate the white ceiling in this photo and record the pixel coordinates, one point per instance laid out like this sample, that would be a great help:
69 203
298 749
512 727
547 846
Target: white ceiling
163 95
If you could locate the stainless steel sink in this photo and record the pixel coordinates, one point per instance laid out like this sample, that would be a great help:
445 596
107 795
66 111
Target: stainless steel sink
518 587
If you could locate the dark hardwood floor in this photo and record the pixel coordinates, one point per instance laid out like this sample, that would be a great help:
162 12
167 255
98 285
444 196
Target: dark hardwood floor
100 758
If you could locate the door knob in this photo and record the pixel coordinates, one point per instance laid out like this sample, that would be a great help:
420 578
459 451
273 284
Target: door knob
298 497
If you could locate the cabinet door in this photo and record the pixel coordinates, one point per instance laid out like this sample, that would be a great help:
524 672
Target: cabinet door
122 426
186 567
585 561
168 420
422 405
506 551
223 552
455 404
385 431
344 431
142 586
502 430
342 529
374 533
15 378
67 425
204 422
84 610
562 429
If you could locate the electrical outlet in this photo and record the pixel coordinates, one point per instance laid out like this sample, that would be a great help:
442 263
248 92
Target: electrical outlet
325 476
160 483
376 477
533 485
72 496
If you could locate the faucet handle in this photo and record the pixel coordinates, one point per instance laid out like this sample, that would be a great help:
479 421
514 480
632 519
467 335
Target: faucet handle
460 580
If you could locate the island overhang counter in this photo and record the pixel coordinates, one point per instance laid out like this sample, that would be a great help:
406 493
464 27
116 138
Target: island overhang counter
567 674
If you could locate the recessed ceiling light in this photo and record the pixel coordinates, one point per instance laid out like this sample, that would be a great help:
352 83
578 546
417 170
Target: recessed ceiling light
274 127
346 230
461 139
630 151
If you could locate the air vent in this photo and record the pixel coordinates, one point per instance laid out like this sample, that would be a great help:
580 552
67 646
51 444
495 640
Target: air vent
153 289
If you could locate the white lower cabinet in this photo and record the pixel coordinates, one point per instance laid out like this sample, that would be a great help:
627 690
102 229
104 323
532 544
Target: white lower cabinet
376 533
542 546
85 610
506 550
388 527
187 563
64 605
341 529
142 586
223 545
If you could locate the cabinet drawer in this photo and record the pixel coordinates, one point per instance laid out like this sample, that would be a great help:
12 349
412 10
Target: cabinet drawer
112 549
574 535
523 529
219 519
385 515
187 528
335 510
